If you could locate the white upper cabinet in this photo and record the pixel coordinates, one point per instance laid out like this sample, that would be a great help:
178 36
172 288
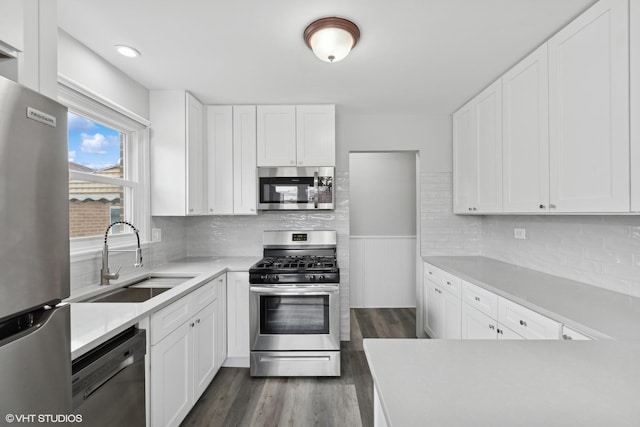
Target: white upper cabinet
316 135
177 160
231 145
477 153
220 160
525 135
11 27
488 122
245 197
290 135
276 125
589 111
465 168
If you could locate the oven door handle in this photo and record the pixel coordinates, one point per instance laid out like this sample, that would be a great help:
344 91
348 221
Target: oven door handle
281 290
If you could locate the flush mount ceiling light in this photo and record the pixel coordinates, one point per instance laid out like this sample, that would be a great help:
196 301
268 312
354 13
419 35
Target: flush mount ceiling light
127 51
331 39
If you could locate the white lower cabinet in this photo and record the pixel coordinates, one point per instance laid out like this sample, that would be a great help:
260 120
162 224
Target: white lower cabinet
479 326
525 322
443 312
237 319
572 334
185 354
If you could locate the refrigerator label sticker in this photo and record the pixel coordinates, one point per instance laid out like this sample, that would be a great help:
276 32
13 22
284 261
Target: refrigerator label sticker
41 117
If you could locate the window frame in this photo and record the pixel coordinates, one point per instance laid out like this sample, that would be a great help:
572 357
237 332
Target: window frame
87 104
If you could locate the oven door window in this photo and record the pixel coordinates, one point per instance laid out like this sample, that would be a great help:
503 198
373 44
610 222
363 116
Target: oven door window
282 190
294 314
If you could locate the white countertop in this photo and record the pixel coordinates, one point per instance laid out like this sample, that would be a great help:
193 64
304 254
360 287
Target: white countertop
506 383
598 312
94 323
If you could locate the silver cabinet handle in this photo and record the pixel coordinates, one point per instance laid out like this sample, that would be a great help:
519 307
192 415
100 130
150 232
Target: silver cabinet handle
542 206
198 321
566 337
491 327
448 283
523 323
192 325
552 206
470 209
191 210
477 299
500 331
475 209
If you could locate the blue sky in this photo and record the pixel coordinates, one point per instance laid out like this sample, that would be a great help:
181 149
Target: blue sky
92 144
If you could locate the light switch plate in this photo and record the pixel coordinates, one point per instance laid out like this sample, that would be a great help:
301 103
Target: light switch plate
156 234
520 233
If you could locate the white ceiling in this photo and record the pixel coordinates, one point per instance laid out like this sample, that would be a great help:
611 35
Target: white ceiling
413 55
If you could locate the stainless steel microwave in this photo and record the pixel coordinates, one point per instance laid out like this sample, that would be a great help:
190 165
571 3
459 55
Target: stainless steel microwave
287 188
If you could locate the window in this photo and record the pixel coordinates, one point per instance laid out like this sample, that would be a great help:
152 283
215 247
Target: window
107 172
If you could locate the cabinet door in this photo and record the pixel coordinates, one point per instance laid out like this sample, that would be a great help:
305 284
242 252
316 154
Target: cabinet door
477 325
221 325
220 160
205 350
435 314
238 314
589 111
525 135
425 307
245 197
276 135
452 316
11 27
316 135
488 135
465 168
195 158
525 322
171 378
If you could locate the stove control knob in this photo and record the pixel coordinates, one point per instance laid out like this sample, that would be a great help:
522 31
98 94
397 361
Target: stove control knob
312 278
321 278
276 278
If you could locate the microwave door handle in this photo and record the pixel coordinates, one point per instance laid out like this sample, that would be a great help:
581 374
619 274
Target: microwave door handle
315 186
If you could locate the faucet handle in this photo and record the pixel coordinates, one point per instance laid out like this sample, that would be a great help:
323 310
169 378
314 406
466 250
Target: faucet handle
138 258
115 275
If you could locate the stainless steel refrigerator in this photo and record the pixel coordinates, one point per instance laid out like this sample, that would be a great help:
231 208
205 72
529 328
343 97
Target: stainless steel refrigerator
35 353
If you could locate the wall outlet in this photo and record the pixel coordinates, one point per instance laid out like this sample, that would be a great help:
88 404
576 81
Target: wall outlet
156 234
519 233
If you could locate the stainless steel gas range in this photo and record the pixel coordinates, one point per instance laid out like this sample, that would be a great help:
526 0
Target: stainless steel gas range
295 305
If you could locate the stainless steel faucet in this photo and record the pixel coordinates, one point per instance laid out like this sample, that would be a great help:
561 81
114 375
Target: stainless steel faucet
105 274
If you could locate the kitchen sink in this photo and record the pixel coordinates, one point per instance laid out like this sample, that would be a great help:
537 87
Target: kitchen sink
141 290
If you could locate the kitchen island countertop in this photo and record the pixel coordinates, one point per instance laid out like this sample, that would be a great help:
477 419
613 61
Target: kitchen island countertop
94 323
453 383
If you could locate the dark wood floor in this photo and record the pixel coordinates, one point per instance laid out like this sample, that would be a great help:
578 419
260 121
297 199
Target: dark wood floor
235 399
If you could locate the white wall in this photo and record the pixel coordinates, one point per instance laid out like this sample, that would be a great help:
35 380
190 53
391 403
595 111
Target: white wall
383 194
80 65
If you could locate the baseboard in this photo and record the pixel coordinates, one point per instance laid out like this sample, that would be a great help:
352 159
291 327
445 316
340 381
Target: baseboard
236 362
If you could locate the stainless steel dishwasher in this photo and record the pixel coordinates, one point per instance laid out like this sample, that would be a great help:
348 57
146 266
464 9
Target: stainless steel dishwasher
108 382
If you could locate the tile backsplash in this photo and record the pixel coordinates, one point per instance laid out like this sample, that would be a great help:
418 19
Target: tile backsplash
603 251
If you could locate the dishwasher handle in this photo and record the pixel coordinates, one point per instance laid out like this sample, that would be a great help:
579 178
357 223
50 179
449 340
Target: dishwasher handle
95 385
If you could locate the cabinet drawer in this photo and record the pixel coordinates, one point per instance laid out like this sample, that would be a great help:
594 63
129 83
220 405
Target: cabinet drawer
451 284
432 273
204 296
572 334
170 318
481 299
525 322
505 333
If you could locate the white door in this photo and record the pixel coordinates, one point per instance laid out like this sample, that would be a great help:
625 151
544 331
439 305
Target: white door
316 135
195 158
477 325
465 168
525 135
276 135
452 316
220 160
589 111
171 378
245 197
238 314
435 313
205 350
488 134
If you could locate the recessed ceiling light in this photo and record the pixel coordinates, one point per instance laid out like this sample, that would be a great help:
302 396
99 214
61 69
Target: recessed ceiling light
127 51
